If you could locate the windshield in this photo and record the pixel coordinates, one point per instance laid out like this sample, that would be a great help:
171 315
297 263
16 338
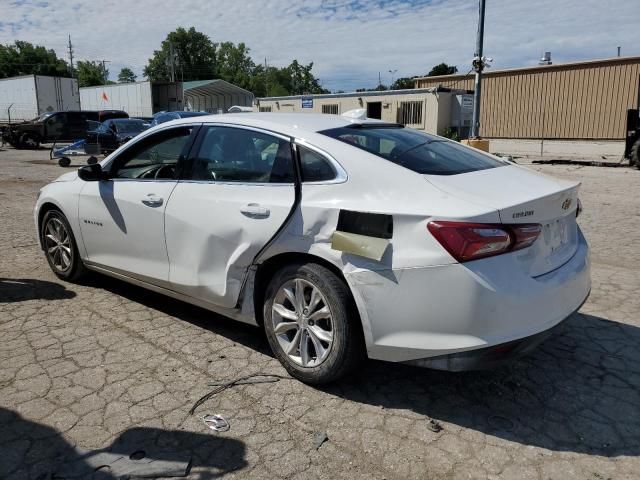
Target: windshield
417 151
42 117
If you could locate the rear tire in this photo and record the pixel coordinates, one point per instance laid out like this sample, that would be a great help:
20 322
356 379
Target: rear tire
60 247
64 161
314 329
634 158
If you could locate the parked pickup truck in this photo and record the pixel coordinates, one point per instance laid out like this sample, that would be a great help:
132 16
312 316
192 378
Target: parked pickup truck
55 127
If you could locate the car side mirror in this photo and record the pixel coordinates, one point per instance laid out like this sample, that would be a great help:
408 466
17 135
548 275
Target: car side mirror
91 173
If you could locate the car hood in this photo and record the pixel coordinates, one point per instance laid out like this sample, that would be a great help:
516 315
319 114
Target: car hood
67 177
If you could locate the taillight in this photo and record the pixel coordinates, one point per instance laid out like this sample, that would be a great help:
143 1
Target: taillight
524 235
470 241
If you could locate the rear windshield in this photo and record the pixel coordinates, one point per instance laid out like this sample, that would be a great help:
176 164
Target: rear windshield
130 126
417 151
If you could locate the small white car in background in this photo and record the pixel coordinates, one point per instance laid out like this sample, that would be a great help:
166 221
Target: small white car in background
342 237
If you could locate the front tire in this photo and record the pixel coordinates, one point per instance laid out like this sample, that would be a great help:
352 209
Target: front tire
29 141
60 247
311 323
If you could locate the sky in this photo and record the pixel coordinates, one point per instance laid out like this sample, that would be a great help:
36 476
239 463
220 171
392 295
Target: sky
349 41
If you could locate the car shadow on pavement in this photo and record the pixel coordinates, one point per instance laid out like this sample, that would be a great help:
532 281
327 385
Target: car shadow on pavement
247 335
23 289
32 450
579 391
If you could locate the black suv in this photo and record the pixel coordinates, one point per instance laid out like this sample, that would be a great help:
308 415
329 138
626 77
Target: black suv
56 127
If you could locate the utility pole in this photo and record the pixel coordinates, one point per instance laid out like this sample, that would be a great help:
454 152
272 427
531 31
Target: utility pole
619 48
478 65
71 69
379 80
104 71
171 61
70 57
266 78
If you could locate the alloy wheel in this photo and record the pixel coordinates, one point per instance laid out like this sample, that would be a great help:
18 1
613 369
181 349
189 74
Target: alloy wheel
58 245
302 322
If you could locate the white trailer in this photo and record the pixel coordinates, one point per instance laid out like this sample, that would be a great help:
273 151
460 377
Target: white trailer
134 98
138 99
26 97
143 99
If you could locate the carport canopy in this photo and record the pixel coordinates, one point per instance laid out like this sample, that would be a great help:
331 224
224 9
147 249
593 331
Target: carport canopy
214 96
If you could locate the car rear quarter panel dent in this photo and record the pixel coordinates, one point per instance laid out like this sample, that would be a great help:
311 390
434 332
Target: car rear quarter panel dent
314 222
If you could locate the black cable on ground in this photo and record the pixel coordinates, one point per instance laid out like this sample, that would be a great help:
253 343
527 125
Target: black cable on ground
265 378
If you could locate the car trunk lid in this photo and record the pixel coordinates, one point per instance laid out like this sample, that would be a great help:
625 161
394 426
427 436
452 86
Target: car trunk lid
522 196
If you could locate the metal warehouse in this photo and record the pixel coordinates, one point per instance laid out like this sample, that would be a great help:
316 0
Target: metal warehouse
571 101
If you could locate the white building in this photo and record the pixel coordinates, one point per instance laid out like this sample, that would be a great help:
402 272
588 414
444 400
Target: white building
433 110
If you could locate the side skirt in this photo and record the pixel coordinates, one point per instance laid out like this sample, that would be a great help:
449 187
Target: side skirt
232 313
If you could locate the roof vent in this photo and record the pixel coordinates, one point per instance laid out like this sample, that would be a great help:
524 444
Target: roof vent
546 59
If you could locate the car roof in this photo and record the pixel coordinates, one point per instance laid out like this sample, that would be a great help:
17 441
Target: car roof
287 122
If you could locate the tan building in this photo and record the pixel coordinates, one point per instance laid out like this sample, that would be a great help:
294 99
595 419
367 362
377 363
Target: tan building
555 103
570 109
431 109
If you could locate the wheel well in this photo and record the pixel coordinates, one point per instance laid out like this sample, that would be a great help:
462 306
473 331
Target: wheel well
46 207
268 268
33 133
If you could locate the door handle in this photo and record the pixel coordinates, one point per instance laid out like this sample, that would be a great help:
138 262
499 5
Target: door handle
254 210
152 200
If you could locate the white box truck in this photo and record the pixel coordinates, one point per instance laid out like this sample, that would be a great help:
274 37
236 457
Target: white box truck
26 97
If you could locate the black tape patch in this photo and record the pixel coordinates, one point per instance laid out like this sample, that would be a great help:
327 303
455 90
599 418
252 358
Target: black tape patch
376 225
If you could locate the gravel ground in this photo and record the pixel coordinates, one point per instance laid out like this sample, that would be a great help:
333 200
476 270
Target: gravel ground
110 366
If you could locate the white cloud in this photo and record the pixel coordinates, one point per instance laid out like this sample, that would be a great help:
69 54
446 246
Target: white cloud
349 41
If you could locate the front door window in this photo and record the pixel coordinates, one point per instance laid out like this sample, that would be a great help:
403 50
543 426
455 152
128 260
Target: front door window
155 157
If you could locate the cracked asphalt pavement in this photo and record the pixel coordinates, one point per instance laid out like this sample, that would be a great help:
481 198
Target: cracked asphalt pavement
104 364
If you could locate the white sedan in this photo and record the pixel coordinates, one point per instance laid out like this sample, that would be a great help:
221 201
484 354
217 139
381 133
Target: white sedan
342 237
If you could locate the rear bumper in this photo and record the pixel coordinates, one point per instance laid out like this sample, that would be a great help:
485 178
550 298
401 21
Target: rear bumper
411 315
489 357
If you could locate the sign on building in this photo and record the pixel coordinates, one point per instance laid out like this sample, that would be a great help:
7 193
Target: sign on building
467 102
307 102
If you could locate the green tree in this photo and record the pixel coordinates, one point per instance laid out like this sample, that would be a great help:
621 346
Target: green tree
192 54
402 83
234 64
24 58
91 74
442 69
302 81
126 75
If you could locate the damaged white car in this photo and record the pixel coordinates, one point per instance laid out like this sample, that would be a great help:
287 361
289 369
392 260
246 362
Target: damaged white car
342 237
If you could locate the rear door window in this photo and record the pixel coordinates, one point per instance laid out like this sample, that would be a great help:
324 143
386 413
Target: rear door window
315 168
228 154
417 151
